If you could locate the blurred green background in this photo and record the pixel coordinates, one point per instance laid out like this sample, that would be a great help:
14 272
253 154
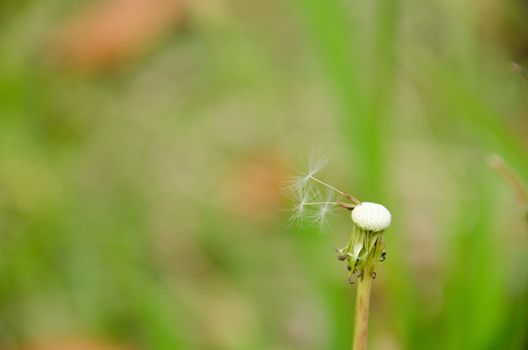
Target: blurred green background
143 144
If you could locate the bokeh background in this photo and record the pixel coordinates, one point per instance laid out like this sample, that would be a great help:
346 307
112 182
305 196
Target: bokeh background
143 144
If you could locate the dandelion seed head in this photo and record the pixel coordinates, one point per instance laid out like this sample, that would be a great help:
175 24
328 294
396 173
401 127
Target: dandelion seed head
371 217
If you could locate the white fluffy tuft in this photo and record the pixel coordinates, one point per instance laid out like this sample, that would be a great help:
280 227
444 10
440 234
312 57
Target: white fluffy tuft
371 216
302 182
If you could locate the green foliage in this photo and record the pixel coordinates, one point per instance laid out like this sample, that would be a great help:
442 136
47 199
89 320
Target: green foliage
117 217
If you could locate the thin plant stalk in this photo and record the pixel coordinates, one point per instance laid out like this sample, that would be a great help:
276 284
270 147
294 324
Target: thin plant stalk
362 313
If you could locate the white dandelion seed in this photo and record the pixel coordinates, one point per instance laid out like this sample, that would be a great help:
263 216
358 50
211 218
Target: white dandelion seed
301 182
311 204
299 211
324 210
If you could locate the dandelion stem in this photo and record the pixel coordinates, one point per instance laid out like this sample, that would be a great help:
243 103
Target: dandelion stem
364 285
346 195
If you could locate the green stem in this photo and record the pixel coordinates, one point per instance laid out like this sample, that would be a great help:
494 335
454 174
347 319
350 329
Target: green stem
362 312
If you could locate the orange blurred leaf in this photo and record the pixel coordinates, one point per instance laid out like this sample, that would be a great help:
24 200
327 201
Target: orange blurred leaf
109 32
